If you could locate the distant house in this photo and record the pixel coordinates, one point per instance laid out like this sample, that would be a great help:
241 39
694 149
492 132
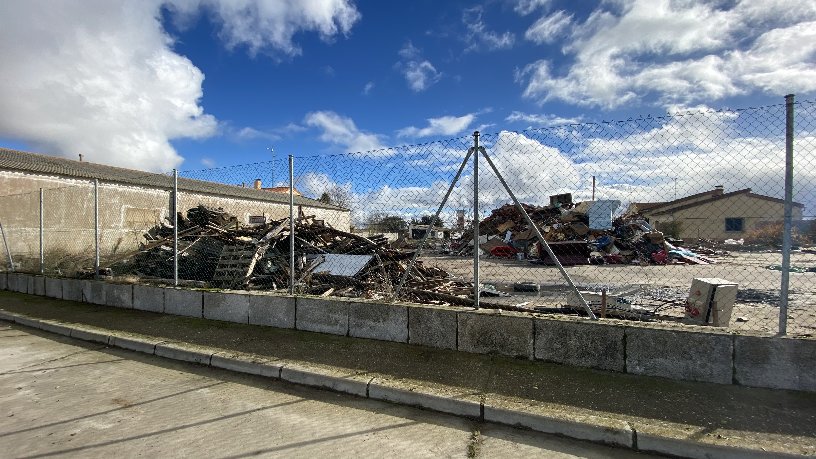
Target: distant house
716 214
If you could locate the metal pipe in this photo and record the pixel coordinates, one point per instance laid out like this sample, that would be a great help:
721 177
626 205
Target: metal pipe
42 235
476 290
8 249
539 236
417 252
291 224
786 234
175 227
96 228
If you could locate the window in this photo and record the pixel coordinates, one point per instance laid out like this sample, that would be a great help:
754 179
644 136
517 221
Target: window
257 219
734 224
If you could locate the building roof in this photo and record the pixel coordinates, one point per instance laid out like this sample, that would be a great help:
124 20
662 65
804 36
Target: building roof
50 165
714 195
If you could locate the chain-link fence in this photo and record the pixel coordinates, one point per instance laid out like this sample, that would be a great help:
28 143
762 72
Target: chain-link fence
677 218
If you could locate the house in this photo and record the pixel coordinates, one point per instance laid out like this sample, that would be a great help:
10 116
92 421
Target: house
130 202
715 214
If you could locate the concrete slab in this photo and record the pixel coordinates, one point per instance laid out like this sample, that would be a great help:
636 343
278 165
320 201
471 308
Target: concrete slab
72 290
119 295
93 291
53 287
580 343
780 363
433 398
688 355
148 298
487 332
89 335
17 282
30 282
432 326
183 302
245 363
143 345
185 352
272 311
226 306
347 382
321 315
382 321
37 286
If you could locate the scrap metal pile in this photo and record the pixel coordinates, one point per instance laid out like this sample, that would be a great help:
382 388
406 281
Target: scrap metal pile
215 248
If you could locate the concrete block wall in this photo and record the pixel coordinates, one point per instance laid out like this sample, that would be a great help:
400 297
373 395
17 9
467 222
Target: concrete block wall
685 353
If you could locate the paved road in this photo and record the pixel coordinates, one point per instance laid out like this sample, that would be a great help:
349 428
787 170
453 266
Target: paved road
62 397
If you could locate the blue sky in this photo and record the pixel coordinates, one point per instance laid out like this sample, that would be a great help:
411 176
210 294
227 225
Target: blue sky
197 84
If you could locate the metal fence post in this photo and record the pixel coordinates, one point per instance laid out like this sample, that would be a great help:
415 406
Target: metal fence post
476 289
42 237
291 224
96 228
786 235
8 249
175 227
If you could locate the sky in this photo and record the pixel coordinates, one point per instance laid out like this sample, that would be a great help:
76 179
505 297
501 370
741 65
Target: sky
200 84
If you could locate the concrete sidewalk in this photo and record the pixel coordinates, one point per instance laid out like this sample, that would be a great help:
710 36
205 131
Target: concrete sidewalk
643 413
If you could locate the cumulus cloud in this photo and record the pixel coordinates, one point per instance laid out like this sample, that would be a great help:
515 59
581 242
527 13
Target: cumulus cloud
444 125
548 28
681 52
536 120
419 73
479 38
342 131
101 78
525 7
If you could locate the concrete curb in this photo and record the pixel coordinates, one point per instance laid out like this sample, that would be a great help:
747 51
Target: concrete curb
608 431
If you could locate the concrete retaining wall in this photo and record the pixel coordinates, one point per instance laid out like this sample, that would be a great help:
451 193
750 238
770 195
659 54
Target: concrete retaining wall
677 352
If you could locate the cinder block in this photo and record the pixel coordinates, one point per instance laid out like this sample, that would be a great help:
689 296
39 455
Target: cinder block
148 298
37 284
679 354
322 315
3 281
487 332
53 287
229 307
183 302
119 295
432 326
93 291
272 311
779 363
72 290
382 321
580 343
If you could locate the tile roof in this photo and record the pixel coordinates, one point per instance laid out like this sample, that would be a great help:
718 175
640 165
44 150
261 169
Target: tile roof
50 165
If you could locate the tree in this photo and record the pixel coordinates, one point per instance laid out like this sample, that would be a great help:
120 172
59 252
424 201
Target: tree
337 195
387 223
427 219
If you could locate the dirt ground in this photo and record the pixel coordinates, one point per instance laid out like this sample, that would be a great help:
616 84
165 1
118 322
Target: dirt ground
664 287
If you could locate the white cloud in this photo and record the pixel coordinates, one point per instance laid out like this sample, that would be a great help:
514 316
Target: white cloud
535 120
525 7
342 131
419 72
681 52
248 133
442 126
101 78
368 88
479 37
548 28
208 162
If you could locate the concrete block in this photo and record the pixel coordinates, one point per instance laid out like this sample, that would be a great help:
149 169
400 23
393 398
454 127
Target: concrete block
382 321
380 389
17 282
183 302
53 328
272 311
245 364
148 298
432 326
53 287
93 291
27 322
92 336
37 285
72 290
580 343
321 315
119 295
178 351
485 332
145 346
333 380
778 363
229 307
3 281
679 354
28 280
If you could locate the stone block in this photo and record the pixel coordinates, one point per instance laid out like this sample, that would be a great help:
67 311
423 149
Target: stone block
93 291
382 321
183 302
487 332
580 343
229 307
53 287
679 354
119 295
322 315
432 326
778 363
272 311
37 285
72 290
148 298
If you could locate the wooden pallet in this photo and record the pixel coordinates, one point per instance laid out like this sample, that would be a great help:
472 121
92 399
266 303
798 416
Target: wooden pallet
236 264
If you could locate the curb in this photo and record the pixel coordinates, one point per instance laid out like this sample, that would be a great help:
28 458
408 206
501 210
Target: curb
606 431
